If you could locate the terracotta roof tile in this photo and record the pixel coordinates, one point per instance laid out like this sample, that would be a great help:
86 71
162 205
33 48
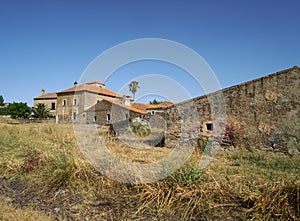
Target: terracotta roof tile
95 82
125 106
90 88
140 106
46 96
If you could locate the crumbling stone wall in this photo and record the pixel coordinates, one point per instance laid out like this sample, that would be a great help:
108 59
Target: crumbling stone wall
264 111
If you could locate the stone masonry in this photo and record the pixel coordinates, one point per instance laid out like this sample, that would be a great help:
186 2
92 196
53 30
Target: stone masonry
263 112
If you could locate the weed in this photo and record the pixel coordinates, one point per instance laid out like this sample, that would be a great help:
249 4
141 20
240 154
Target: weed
60 169
187 176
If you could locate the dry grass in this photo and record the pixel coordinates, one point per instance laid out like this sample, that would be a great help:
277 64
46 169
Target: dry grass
8 212
52 173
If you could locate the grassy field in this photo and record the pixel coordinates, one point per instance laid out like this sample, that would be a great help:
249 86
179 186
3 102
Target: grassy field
44 176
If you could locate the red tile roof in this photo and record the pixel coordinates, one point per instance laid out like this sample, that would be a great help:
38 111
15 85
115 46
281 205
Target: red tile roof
46 96
90 88
95 82
131 108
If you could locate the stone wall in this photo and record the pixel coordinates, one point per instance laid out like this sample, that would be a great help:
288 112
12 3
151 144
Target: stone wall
263 112
84 100
100 111
48 102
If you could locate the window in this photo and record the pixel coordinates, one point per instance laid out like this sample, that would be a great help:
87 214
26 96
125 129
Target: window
53 106
74 101
95 118
74 115
209 126
126 115
64 102
108 117
152 112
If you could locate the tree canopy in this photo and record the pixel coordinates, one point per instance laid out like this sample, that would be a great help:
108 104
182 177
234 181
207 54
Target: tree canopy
41 111
133 87
1 100
19 110
155 102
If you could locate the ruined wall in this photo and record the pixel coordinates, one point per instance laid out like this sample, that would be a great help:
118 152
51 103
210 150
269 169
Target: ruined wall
264 111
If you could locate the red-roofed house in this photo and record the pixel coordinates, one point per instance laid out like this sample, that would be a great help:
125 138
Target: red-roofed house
67 104
92 102
110 111
49 99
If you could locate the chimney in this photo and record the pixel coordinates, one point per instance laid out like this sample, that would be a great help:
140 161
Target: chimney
127 100
75 83
43 91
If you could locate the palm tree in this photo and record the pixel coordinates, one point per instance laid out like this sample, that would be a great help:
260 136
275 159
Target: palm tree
133 87
41 111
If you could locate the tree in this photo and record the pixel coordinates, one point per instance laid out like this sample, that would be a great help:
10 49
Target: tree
19 110
41 111
133 87
1 100
155 102
3 111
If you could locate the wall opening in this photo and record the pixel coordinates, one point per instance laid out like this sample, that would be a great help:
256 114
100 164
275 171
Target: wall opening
108 117
53 106
209 126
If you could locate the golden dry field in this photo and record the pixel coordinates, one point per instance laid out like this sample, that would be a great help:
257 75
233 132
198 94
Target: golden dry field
44 176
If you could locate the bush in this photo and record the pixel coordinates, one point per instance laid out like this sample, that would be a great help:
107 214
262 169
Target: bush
188 176
140 128
19 110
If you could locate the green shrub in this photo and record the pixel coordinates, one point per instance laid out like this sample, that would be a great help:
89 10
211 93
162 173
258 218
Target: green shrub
61 169
188 176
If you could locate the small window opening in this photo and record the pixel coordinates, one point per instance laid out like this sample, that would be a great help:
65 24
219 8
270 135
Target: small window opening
108 117
152 112
64 102
95 118
126 115
52 106
210 126
74 115
74 102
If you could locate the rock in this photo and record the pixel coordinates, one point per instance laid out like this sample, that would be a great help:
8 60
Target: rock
292 146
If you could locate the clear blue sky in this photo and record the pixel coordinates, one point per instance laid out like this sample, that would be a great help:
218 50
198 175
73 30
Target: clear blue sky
48 44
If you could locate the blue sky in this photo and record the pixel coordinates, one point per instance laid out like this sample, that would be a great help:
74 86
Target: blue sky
48 44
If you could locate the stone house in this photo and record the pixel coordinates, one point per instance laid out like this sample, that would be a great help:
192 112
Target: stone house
91 102
109 111
74 101
49 99
66 105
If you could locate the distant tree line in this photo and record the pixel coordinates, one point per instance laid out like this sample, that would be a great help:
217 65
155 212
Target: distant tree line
23 111
155 102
